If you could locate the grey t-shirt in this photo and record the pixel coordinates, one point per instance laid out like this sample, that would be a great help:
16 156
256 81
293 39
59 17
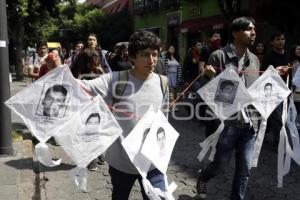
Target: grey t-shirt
137 98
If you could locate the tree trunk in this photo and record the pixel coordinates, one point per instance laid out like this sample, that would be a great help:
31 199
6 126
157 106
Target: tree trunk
19 50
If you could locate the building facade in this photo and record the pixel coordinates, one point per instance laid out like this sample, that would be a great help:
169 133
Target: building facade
178 22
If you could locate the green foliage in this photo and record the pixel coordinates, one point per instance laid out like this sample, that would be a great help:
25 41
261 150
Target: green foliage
83 19
66 22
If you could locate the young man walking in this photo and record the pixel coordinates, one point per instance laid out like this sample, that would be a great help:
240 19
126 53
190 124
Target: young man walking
238 134
143 89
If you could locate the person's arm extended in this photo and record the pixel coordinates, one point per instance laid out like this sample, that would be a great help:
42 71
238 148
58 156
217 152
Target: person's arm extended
209 70
96 86
32 74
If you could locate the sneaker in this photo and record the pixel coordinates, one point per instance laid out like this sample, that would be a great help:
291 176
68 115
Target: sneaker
101 160
201 189
92 168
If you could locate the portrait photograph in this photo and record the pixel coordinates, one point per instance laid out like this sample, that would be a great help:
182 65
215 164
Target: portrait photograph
226 91
89 129
54 100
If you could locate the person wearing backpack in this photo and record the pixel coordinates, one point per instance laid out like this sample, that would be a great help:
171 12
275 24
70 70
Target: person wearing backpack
37 60
143 89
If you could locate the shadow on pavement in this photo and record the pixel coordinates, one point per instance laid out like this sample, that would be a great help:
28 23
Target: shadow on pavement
185 197
61 167
24 163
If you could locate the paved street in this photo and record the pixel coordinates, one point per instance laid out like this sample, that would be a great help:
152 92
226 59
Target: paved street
56 184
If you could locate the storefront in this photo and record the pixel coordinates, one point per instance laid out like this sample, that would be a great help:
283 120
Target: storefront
179 22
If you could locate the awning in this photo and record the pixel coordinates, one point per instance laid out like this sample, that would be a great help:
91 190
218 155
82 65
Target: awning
195 25
53 44
116 7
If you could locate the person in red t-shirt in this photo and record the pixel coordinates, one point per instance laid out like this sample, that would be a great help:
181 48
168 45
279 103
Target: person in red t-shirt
52 61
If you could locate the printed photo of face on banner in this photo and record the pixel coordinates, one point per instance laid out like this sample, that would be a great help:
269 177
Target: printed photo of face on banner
90 129
90 125
268 91
226 91
225 94
54 100
161 139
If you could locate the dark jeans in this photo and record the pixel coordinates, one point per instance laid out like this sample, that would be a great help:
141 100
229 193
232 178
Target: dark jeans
122 183
242 141
274 123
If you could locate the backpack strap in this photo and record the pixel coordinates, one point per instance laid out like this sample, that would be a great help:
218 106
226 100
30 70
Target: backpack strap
33 58
120 86
163 84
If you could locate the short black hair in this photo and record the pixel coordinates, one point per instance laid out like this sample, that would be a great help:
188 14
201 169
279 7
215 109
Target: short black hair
141 40
195 41
39 44
79 42
57 88
240 24
268 84
225 83
91 116
213 31
276 33
160 130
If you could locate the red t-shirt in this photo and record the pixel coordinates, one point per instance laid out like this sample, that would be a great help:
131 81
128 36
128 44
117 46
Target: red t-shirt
43 70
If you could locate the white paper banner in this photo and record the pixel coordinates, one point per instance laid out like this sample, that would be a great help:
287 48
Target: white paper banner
89 133
79 176
294 134
296 78
210 142
160 142
259 141
268 91
43 155
161 145
134 141
48 103
226 95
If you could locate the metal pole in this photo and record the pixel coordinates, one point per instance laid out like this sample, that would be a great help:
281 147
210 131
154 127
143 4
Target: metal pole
5 116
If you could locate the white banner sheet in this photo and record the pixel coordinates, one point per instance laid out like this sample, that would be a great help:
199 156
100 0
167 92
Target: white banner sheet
151 142
89 133
48 103
268 91
226 94
160 142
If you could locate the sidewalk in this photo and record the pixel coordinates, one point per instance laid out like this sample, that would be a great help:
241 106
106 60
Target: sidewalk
17 180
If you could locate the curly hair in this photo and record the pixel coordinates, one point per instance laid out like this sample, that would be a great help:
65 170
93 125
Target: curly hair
142 40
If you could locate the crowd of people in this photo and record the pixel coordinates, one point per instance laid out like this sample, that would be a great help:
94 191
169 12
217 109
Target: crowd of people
142 55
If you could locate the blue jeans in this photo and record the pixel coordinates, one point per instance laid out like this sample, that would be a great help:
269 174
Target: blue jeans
242 141
122 183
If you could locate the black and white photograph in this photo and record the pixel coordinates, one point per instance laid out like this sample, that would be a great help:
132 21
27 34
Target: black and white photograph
161 138
90 130
54 100
226 91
